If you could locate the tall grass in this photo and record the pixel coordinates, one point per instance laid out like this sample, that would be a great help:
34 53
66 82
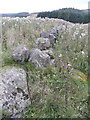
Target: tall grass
56 91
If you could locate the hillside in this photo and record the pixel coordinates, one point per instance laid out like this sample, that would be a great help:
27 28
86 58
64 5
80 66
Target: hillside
21 14
68 14
44 68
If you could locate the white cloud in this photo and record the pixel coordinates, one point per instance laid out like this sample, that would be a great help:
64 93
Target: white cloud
9 6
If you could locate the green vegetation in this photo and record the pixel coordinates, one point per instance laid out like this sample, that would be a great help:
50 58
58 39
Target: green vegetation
22 14
57 95
56 91
68 14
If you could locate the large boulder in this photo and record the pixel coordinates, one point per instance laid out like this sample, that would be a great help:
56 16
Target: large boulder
15 95
44 34
42 43
61 27
51 37
39 58
49 52
20 54
54 31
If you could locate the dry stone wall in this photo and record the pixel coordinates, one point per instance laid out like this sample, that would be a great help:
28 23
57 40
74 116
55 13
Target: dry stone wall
15 94
37 56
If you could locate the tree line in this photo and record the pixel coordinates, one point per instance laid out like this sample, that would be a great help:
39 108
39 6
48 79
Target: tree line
22 14
68 14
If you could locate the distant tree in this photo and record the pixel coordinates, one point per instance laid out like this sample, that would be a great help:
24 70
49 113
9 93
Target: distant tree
68 14
22 14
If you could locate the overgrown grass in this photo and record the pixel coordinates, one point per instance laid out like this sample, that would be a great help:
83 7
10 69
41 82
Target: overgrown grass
53 97
56 91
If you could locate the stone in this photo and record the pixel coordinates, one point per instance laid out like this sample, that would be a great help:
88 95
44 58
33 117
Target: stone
49 52
39 58
44 34
61 27
42 43
20 54
54 31
52 39
15 97
50 36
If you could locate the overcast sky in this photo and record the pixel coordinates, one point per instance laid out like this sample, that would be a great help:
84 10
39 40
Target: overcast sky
14 6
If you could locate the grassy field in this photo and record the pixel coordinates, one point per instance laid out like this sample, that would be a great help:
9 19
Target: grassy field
59 91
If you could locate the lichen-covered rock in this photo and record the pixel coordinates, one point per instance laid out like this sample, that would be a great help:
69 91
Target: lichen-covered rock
52 39
49 52
39 58
50 36
15 96
61 27
44 34
20 54
42 43
54 31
